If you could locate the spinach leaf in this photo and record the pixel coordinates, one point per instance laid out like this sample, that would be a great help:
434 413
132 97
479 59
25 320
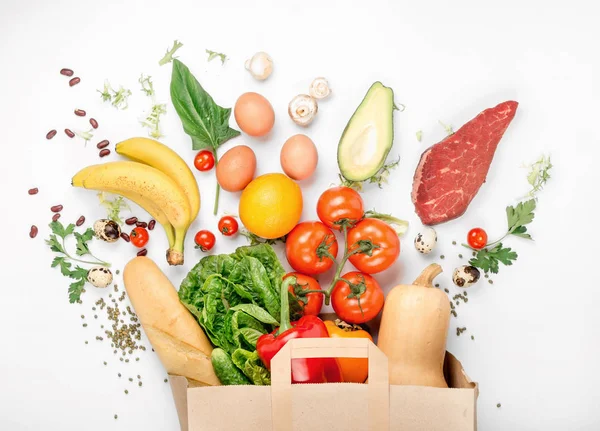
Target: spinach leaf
206 122
266 255
252 276
257 313
251 366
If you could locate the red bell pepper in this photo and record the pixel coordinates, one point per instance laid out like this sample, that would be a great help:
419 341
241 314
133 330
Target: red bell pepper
307 370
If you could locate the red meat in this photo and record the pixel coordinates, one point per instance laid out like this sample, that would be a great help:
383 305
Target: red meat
451 172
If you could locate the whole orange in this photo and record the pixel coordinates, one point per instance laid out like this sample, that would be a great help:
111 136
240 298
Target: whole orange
271 205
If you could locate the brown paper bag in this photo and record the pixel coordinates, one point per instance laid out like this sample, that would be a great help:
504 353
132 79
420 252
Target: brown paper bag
329 406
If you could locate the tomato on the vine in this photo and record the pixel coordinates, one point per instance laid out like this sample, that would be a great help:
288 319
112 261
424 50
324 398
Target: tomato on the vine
340 206
228 225
310 303
310 247
379 245
139 237
357 297
205 240
477 238
204 160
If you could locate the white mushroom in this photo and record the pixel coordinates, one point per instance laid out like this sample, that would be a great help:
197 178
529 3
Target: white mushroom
426 240
465 276
303 109
100 276
319 88
260 66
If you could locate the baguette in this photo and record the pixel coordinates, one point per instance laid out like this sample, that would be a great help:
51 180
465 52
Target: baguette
176 337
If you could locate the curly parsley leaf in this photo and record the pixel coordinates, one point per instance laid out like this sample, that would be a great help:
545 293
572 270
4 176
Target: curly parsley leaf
64 260
82 239
488 260
519 216
169 55
539 174
75 290
213 54
380 177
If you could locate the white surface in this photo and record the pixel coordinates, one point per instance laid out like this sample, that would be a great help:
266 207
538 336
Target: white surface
536 329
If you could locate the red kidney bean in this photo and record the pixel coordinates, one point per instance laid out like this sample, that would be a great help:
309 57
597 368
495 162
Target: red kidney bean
141 224
69 133
56 208
74 81
142 252
103 153
80 221
80 112
55 217
151 224
94 123
102 144
51 134
66 72
33 191
34 231
125 237
131 221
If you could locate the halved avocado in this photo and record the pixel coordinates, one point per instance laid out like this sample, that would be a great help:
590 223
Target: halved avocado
368 136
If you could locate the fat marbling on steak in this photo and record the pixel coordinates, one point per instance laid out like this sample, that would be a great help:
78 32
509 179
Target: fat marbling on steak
451 172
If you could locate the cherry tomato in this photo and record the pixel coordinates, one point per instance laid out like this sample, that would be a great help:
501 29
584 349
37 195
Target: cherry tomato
339 206
204 160
311 303
477 238
139 237
205 240
359 301
380 244
228 226
309 247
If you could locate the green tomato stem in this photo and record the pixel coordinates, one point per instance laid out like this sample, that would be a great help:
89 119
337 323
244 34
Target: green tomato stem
218 192
340 266
284 321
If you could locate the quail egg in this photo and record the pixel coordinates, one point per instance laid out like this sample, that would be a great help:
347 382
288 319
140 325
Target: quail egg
107 230
100 276
465 276
426 240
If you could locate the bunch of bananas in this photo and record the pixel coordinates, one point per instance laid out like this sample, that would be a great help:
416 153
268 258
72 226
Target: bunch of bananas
156 179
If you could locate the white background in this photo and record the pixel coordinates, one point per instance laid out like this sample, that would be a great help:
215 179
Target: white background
536 329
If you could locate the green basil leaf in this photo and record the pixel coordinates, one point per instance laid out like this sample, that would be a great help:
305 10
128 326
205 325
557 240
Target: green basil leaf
206 122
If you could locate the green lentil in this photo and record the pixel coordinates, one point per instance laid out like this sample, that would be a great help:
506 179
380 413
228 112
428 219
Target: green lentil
126 391
442 257
498 405
166 380
116 416
453 242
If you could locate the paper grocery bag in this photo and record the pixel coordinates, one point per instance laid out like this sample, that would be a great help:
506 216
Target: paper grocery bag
329 406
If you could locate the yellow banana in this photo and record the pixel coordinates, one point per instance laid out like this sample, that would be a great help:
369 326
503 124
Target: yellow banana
155 212
152 185
163 158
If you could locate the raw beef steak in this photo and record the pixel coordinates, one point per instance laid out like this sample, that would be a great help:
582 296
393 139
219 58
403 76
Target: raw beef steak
451 172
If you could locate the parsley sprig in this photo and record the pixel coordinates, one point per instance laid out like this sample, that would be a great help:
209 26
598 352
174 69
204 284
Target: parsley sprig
380 177
64 260
539 174
493 253
213 54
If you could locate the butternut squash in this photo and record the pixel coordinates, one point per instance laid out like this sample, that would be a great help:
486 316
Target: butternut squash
413 331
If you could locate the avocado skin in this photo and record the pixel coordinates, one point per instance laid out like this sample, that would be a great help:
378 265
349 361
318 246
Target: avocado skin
385 138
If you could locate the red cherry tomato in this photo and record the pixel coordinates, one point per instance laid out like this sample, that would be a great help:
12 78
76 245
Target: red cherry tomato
308 245
311 303
204 160
205 240
477 238
385 245
139 237
339 206
228 226
359 301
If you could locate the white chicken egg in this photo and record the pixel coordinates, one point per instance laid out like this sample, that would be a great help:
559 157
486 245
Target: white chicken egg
426 240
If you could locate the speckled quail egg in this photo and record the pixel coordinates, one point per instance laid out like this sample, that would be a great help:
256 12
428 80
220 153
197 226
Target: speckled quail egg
100 276
465 276
107 230
426 240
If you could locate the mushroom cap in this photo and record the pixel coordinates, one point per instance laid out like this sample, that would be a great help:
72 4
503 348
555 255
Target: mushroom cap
303 109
